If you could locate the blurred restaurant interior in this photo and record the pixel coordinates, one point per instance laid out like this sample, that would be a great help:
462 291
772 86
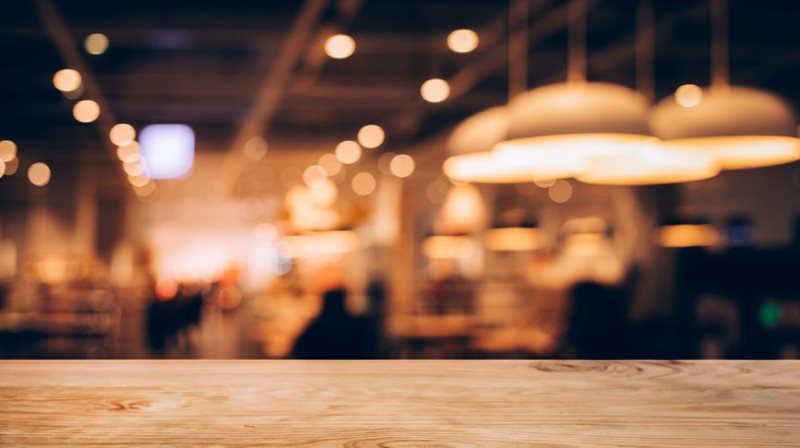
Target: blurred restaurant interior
399 179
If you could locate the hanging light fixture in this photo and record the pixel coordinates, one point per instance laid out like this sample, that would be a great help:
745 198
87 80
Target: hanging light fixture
651 162
473 162
680 233
597 132
471 141
514 167
741 127
577 119
513 231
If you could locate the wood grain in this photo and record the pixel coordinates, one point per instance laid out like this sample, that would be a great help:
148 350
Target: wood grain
400 404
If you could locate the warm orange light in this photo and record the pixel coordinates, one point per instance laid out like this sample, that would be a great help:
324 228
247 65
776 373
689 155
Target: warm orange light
121 134
340 46
562 156
290 176
139 181
447 247
688 95
56 269
742 151
371 136
8 150
650 165
324 194
96 43
402 165
316 244
385 162
435 90
2 167
506 239
462 40
39 174
127 150
741 127
314 176
145 190
166 289
133 169
560 192
517 165
86 111
568 124
462 212
363 184
11 166
687 235
256 148
330 164
133 158
229 297
348 152
67 80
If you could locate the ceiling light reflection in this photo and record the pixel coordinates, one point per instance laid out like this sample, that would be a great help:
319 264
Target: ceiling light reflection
39 174
86 111
340 46
462 40
435 90
67 80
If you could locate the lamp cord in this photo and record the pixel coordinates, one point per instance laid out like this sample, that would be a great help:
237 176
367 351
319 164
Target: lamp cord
576 63
719 43
645 49
517 47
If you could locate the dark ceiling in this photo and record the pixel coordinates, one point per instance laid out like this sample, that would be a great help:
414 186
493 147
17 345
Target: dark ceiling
203 62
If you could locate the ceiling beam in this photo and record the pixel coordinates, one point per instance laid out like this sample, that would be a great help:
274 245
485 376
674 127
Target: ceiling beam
466 79
268 96
57 29
315 58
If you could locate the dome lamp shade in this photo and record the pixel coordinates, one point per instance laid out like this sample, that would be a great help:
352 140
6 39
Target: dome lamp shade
741 127
650 164
499 167
577 121
479 132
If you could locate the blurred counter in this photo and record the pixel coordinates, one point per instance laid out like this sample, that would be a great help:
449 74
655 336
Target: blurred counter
400 403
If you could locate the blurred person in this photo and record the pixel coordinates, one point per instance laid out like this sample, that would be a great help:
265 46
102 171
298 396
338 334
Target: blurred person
168 319
335 334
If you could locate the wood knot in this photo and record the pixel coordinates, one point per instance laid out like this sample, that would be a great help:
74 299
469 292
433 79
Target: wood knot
129 405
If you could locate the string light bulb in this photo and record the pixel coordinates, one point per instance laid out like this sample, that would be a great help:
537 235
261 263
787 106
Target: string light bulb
462 40
67 80
435 90
340 46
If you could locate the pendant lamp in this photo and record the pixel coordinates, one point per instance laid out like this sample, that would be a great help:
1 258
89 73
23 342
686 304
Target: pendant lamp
561 129
578 119
513 231
597 132
680 233
479 132
741 127
473 162
514 167
650 162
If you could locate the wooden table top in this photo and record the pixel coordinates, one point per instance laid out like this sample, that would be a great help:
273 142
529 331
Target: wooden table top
400 403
